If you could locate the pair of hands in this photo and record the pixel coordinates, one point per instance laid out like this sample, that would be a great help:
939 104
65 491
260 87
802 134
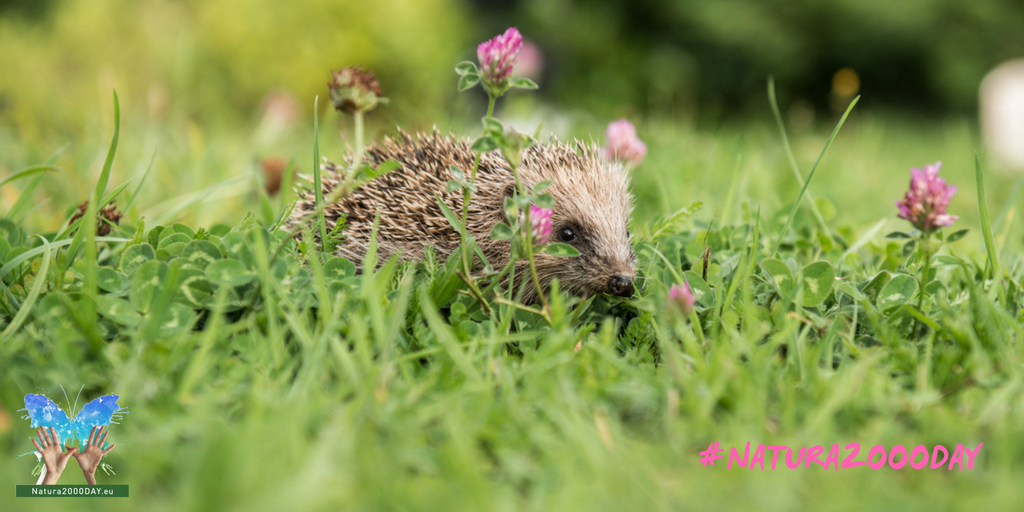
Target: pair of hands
56 456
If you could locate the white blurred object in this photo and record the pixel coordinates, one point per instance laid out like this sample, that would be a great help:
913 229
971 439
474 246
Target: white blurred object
1002 113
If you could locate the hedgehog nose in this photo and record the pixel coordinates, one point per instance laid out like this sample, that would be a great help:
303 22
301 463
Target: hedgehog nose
620 285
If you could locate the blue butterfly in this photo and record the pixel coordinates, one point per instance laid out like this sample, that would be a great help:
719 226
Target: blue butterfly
97 413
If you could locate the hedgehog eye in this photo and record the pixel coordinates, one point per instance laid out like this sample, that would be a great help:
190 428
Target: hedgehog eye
567 235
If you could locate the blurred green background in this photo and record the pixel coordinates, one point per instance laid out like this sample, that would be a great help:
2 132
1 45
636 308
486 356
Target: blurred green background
217 58
210 88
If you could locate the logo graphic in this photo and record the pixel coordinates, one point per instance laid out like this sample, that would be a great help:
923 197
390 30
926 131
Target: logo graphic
97 413
54 427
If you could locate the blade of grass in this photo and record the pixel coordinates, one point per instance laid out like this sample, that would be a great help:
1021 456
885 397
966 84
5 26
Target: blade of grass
986 231
284 193
861 242
110 196
28 171
1009 204
773 102
101 185
89 234
446 338
732 189
317 183
282 217
150 327
743 271
26 199
754 244
199 363
142 181
76 242
27 255
916 313
193 198
265 209
86 310
30 300
807 182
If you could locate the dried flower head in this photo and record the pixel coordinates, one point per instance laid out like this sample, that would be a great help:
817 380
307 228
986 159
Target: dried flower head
498 56
924 205
623 143
354 89
540 223
273 173
110 213
681 299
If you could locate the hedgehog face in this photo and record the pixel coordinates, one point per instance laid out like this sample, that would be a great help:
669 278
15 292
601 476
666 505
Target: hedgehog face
591 214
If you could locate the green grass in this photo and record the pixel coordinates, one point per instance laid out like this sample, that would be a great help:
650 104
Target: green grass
262 383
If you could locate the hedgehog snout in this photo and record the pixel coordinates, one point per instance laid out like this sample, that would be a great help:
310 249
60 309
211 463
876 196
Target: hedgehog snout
620 285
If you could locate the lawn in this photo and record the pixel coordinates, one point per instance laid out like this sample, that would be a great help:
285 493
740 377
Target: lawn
265 379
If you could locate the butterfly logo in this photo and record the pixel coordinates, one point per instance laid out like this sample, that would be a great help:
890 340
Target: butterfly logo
97 413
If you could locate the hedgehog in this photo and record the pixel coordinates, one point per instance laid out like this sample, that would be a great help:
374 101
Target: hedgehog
592 206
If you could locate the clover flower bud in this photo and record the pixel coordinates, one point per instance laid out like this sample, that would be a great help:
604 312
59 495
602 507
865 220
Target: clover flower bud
924 205
623 143
681 299
540 223
498 56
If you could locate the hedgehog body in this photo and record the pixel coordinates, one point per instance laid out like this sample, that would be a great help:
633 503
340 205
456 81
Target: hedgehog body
591 196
